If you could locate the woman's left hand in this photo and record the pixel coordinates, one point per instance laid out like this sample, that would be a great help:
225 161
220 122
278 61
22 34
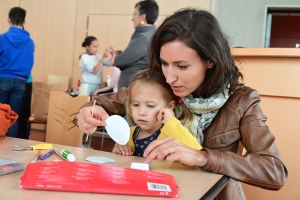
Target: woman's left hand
173 150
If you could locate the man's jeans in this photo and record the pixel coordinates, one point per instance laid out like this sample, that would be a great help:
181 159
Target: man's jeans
12 92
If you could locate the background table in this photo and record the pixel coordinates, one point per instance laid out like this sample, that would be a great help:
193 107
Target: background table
193 183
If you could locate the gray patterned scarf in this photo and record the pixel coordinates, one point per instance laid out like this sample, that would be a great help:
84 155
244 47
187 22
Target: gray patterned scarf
204 111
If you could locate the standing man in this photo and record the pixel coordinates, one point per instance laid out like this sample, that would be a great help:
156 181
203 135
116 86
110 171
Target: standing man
16 62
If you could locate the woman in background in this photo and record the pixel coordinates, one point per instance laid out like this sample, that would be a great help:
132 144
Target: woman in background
91 65
134 58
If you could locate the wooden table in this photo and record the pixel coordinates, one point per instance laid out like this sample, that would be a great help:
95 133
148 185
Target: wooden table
193 183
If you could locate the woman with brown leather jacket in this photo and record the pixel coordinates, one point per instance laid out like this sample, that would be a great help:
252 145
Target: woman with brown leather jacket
193 53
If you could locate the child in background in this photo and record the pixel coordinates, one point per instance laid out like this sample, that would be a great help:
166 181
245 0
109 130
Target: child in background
91 65
150 103
113 85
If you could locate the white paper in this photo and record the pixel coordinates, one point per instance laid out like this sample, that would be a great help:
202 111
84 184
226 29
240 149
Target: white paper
100 159
141 166
118 129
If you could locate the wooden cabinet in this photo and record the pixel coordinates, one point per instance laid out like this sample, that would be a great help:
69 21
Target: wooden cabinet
275 74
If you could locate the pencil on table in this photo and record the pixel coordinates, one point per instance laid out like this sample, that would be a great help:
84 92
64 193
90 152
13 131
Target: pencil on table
36 157
57 153
87 135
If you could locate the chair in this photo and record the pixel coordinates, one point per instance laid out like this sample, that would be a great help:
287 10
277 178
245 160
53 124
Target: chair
103 133
61 112
40 103
55 79
107 71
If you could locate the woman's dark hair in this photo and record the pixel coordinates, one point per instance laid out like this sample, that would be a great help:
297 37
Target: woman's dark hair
17 16
88 40
199 30
150 9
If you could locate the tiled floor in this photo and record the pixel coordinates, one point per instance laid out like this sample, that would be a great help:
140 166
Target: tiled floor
108 143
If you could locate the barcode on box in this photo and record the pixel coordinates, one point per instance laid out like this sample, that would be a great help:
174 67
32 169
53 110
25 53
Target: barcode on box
158 187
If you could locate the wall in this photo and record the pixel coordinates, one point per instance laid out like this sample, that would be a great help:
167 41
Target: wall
245 21
51 24
5 6
274 73
58 27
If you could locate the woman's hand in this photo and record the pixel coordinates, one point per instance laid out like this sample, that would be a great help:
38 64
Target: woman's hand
165 114
112 50
110 53
106 54
95 93
173 150
124 150
88 123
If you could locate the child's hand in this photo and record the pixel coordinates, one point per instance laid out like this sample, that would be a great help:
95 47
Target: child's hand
165 114
124 150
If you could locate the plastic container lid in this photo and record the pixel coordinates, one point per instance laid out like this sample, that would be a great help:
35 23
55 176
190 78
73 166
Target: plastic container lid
71 158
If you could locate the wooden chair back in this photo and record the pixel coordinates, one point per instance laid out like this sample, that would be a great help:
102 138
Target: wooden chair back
40 99
62 110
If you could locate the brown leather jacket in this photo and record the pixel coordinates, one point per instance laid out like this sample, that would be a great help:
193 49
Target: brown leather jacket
239 121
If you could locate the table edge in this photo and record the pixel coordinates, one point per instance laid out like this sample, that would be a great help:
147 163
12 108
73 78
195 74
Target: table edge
215 190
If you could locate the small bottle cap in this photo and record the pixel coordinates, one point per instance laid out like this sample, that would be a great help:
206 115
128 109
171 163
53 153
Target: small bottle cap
68 155
71 158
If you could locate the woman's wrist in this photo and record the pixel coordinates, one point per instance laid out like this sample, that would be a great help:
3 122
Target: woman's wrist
112 60
201 158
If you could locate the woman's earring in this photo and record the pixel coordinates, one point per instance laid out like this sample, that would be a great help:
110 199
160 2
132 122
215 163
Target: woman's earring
211 66
142 22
